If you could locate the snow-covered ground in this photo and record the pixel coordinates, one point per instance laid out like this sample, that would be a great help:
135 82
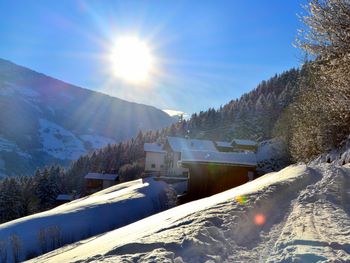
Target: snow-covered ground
59 142
300 214
106 210
271 156
338 156
9 89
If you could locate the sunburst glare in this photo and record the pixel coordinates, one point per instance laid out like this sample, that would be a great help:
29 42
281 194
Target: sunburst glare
132 60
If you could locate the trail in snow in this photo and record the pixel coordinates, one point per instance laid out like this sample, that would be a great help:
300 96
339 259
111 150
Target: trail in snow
318 229
306 213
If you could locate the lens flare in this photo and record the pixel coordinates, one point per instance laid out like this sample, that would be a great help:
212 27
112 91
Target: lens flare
259 219
241 199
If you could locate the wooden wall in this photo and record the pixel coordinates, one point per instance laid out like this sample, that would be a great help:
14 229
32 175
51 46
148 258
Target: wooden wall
209 179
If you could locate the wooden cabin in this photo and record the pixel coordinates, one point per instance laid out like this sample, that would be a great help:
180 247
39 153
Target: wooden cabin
95 182
213 172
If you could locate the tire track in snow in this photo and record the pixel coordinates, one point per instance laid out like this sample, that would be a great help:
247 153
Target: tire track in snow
318 218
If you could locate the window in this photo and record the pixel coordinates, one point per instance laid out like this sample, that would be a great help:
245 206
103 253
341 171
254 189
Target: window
161 166
153 165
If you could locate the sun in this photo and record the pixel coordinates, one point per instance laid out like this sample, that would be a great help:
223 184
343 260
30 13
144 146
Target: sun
132 60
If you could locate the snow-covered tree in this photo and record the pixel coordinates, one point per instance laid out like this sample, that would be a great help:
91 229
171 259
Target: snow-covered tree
322 113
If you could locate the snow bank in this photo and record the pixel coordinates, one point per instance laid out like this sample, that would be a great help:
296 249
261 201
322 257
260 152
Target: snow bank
298 214
106 210
338 156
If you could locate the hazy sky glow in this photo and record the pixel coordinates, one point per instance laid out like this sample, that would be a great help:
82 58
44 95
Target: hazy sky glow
208 52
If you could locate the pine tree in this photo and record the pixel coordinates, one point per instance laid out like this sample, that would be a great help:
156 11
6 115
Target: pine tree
10 205
46 189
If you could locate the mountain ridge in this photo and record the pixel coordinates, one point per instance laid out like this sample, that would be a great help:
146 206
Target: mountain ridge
43 117
2 60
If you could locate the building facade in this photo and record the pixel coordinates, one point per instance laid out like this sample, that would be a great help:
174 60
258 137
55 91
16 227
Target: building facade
166 158
155 158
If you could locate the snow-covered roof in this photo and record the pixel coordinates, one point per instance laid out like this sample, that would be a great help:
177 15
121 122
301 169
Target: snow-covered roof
229 158
223 144
64 197
244 142
153 147
178 144
110 177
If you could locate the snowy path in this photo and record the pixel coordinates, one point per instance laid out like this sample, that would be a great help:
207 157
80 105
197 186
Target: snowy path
319 226
300 214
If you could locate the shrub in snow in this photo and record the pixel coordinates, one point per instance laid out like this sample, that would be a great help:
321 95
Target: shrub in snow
129 172
171 197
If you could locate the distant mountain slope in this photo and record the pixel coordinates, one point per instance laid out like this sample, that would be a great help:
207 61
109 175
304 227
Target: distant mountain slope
44 120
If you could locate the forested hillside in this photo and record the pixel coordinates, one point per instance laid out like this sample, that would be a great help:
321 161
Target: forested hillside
253 116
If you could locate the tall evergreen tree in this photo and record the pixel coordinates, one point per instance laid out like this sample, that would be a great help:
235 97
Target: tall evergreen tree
10 205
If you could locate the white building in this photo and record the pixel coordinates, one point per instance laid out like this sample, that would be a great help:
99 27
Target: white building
165 159
155 158
175 145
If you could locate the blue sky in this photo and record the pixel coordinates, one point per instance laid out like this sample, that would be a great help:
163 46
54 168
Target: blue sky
210 51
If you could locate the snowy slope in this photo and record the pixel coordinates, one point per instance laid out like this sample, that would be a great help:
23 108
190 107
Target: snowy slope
339 156
8 146
111 208
300 214
59 142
